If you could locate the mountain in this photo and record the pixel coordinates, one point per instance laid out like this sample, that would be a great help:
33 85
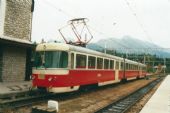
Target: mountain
128 44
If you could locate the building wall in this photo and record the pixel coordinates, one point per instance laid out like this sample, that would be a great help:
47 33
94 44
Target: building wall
18 19
14 64
1 56
2 15
15 28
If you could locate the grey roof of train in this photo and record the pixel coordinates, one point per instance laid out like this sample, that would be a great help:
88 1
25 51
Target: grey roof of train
93 52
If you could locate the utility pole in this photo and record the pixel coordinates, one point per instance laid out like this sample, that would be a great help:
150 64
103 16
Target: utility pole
127 54
105 48
144 59
153 63
164 65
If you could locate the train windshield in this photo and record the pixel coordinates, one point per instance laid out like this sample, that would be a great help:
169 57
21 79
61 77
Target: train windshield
51 59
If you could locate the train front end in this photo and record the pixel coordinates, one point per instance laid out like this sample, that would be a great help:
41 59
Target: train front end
50 71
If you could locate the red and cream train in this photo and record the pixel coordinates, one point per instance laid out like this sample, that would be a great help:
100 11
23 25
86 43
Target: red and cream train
64 68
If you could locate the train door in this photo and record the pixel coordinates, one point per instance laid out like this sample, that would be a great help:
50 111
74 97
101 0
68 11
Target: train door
140 71
117 66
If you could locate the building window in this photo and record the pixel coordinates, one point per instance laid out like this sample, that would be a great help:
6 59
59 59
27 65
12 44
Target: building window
99 63
91 62
81 61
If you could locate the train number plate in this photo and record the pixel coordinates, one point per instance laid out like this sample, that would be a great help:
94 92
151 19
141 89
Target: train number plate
41 76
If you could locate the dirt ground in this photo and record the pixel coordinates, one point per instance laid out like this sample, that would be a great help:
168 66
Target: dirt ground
92 101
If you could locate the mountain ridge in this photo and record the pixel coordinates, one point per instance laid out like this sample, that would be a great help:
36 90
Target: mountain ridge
128 44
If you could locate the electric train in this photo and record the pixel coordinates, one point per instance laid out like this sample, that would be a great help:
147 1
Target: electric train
61 67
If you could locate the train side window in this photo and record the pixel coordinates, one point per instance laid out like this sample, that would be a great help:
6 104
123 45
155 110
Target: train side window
72 60
134 67
111 64
81 61
117 65
99 63
122 65
140 68
106 64
131 66
91 62
127 66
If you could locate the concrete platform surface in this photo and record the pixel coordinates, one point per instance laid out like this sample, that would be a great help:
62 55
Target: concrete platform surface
160 101
14 87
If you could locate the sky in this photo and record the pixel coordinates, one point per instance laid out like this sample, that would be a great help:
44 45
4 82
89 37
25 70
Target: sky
147 20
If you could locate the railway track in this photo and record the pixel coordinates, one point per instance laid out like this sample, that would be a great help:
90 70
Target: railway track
24 100
123 104
35 98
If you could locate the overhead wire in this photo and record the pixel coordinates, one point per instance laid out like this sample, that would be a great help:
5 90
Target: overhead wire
104 34
138 21
58 9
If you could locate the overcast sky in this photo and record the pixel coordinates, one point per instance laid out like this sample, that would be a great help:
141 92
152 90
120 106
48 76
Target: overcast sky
142 19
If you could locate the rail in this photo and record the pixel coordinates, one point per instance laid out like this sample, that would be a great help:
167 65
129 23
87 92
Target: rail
123 104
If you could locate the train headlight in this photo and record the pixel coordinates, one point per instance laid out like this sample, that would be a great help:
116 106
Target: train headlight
50 79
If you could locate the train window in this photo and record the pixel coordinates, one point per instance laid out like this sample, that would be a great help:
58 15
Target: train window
132 67
122 66
106 64
144 68
140 68
127 66
91 62
111 64
117 65
51 59
99 63
80 61
72 60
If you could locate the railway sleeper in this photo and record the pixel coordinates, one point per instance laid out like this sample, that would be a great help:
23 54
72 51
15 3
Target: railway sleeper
39 109
117 107
121 105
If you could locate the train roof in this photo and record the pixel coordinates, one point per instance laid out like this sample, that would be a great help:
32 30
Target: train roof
66 47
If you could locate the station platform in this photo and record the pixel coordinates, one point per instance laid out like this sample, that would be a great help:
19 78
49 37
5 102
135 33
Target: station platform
10 88
160 101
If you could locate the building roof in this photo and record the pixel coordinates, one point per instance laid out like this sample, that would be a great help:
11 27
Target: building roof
15 41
